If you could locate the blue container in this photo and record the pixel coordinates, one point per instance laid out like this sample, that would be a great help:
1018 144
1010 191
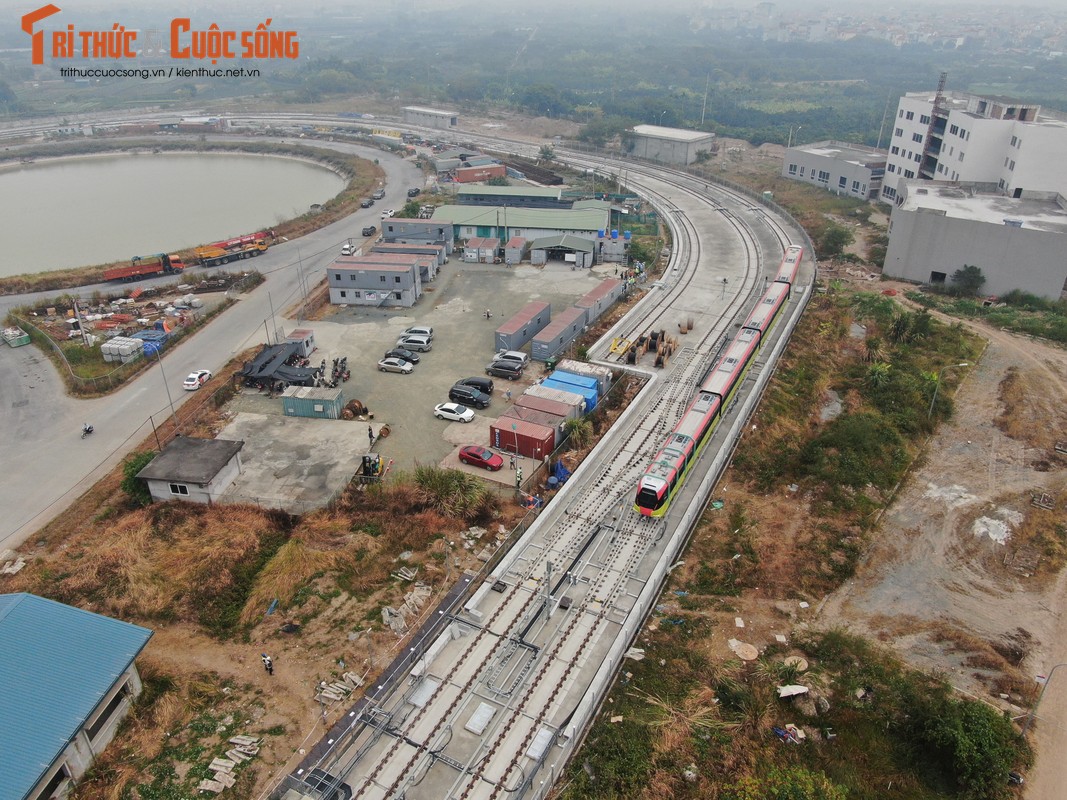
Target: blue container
614 234
600 234
587 394
626 235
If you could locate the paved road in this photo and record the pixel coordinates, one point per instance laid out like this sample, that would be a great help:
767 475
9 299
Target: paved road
46 463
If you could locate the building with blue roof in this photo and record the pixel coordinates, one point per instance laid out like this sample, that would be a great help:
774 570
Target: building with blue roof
67 678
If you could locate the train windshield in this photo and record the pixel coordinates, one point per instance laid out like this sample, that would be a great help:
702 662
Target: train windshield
649 498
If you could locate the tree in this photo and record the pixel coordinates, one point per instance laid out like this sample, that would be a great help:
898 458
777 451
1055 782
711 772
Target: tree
790 783
578 431
834 239
968 281
135 487
546 153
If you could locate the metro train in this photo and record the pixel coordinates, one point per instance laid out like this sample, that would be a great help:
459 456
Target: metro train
668 470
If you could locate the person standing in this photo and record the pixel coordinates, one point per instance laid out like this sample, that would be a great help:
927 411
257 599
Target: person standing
268 663
370 435
507 395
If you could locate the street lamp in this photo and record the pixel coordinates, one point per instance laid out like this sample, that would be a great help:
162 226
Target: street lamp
167 387
791 131
937 384
664 111
1033 710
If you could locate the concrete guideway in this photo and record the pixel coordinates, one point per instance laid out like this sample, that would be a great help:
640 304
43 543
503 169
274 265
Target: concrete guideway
495 705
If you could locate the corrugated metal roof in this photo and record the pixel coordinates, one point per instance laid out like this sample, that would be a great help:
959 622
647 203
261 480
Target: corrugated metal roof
567 241
56 663
536 218
509 191
604 289
677 134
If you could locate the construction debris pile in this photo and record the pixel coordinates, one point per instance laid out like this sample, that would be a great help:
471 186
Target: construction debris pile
244 749
397 618
338 690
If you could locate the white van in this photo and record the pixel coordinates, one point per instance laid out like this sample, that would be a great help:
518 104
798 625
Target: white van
514 356
419 330
421 344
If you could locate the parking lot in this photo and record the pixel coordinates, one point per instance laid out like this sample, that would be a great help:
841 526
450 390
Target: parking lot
454 305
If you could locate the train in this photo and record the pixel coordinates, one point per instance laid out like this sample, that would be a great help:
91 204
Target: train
668 470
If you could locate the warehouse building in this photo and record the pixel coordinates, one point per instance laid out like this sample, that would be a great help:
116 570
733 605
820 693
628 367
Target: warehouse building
67 679
430 117
511 196
354 282
668 145
567 248
502 223
940 227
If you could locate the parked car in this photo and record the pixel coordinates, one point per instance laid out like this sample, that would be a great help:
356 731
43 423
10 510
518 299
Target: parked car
366 203
504 369
348 249
453 411
419 330
388 213
369 230
414 192
327 786
468 396
396 365
196 380
378 194
480 457
481 384
512 355
399 352
412 342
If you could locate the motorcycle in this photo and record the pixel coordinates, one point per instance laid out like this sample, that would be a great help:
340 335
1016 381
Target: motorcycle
86 430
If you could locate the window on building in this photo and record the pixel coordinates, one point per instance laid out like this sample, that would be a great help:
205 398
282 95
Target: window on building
396 279
900 114
842 182
352 276
918 158
1000 184
964 135
343 294
381 278
917 137
909 174
824 176
179 488
1020 144
962 154
889 192
58 780
792 169
898 132
802 172
396 296
1014 139
910 115
894 150
863 189
337 276
354 294
1006 159
924 119
890 167
938 277
855 186
1011 166
953 129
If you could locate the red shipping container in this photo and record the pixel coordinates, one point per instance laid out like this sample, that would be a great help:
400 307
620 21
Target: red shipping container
521 437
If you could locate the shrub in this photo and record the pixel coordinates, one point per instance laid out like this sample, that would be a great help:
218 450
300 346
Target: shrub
135 488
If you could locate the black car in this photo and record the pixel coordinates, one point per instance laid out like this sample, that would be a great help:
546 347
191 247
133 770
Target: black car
328 787
367 203
481 384
370 230
400 352
414 192
505 369
468 396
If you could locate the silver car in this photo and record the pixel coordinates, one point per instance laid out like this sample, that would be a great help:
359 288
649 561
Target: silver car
396 365
421 344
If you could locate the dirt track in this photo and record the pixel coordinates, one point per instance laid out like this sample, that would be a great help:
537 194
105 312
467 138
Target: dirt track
954 581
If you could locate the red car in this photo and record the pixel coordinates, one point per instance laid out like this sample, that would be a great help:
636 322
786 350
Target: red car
480 457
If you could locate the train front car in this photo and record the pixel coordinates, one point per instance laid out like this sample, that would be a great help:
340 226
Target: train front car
790 266
667 472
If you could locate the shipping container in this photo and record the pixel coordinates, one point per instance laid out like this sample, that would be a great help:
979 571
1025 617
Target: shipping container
554 407
602 374
558 334
304 339
553 421
566 396
587 393
522 327
601 298
574 379
523 438
314 403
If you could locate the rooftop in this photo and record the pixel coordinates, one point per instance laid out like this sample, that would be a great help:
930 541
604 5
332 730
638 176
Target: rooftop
190 460
958 202
424 110
844 151
568 241
677 134
56 664
545 218
510 191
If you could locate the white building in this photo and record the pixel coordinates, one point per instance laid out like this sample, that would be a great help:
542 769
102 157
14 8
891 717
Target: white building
1015 146
845 169
938 227
193 470
430 117
669 145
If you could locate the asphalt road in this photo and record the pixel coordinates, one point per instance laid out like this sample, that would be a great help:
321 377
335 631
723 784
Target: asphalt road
46 462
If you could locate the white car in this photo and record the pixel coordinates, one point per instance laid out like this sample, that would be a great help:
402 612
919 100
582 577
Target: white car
348 250
453 411
395 365
514 356
196 380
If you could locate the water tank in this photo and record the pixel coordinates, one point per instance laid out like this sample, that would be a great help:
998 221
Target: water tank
626 235
614 234
600 234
